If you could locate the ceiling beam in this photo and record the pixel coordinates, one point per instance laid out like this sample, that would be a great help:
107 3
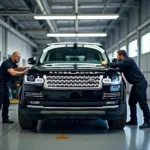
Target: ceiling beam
16 14
110 23
33 31
45 10
63 29
97 6
17 33
80 21
103 11
43 40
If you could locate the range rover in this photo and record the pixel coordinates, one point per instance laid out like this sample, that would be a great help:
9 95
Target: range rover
68 82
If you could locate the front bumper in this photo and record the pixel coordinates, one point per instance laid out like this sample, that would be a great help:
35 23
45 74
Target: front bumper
76 104
106 113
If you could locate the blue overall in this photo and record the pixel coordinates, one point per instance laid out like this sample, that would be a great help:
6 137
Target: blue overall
138 91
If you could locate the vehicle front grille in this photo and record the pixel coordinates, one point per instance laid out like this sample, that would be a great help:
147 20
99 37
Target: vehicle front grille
73 80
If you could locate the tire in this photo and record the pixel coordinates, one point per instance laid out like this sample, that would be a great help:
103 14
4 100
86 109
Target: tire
25 122
120 123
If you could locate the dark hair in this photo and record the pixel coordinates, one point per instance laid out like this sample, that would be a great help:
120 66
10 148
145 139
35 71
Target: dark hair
122 52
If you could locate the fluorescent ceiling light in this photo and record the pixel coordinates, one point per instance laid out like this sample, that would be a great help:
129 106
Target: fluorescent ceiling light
61 35
55 17
76 34
73 17
91 34
84 17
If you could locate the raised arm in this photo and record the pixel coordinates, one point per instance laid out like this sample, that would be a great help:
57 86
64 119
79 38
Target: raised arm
120 64
12 71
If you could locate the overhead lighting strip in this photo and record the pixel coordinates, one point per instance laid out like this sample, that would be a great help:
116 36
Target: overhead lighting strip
79 16
76 34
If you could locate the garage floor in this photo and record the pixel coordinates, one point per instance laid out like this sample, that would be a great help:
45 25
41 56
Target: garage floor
88 136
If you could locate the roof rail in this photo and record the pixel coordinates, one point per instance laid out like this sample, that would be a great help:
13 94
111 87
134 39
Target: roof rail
73 43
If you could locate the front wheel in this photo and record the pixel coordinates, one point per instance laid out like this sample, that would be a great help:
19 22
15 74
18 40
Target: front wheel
121 122
118 123
25 122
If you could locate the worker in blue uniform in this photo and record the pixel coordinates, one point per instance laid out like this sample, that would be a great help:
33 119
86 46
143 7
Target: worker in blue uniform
8 69
138 91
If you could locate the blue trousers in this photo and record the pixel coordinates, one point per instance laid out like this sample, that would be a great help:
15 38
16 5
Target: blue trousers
138 94
4 100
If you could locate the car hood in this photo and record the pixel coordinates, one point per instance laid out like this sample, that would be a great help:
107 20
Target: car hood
70 66
45 69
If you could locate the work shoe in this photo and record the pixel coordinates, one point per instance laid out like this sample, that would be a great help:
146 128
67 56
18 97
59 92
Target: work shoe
133 123
145 125
7 121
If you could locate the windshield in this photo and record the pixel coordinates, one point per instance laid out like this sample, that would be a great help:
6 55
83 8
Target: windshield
73 55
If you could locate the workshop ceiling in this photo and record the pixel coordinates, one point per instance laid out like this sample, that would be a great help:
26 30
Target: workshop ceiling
20 14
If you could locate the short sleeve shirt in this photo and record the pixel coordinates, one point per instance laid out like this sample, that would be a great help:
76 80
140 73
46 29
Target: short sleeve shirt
7 64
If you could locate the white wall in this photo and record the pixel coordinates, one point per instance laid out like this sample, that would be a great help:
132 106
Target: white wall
0 44
16 44
145 68
136 17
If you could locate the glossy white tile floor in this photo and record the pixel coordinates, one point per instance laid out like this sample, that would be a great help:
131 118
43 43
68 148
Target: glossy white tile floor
90 136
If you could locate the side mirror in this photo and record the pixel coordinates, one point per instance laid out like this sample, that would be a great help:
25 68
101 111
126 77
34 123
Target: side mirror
32 61
114 60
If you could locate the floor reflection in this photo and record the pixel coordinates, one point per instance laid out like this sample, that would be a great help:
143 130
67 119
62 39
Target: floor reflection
86 136
137 138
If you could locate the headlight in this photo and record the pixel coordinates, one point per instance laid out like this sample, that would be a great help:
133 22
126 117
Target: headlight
31 79
116 79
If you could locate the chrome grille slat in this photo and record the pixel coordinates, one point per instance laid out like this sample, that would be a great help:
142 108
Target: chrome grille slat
71 83
73 80
114 94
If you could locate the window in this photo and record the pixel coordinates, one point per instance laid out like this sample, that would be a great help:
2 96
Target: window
73 55
115 54
145 43
9 56
123 48
23 62
133 48
0 55
110 56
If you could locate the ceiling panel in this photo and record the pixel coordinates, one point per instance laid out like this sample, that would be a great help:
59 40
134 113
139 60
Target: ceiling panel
31 26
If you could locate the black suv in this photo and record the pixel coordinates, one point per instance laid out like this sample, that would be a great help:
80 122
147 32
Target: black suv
68 82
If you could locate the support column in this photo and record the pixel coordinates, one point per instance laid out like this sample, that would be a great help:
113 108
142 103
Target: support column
126 44
138 48
118 47
4 43
76 21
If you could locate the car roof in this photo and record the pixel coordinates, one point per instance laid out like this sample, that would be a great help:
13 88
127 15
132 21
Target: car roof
74 43
97 46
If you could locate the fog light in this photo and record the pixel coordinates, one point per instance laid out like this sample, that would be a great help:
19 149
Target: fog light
110 102
39 80
34 102
106 80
